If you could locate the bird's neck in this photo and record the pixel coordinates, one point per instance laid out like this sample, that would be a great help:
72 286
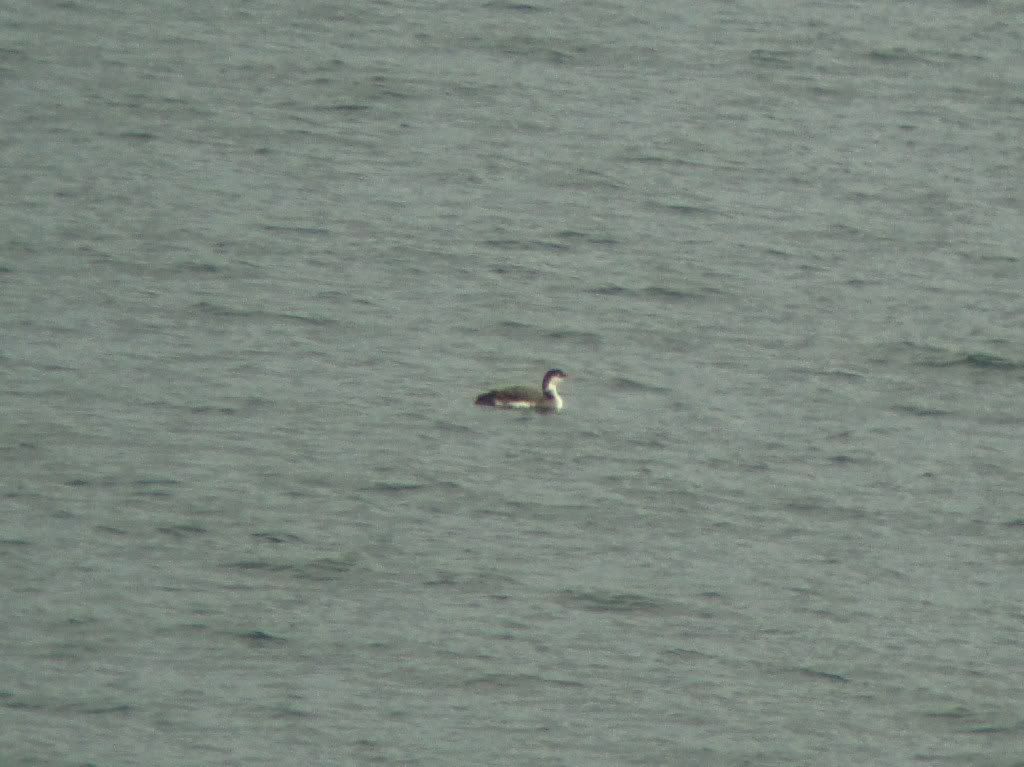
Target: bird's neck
551 394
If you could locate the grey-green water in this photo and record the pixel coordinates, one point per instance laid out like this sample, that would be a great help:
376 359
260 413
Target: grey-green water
256 261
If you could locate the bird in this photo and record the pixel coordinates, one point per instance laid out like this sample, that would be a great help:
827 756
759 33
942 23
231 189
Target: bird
543 399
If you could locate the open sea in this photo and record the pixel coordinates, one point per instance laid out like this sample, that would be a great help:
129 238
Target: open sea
257 259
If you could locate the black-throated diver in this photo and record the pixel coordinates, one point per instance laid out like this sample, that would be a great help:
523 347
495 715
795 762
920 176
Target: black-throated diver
544 398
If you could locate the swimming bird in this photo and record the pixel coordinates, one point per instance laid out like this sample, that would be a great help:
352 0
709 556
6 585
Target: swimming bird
545 398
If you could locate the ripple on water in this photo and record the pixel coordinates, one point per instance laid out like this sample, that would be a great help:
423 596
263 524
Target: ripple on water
614 602
261 639
320 569
208 309
931 356
182 531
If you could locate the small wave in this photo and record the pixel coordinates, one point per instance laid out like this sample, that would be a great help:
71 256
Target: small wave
610 290
836 372
651 292
655 159
20 704
516 270
326 568
622 383
842 459
305 231
219 310
395 487
979 360
932 356
590 239
343 107
581 337
898 55
996 729
182 531
212 410
254 565
955 712
683 209
667 294
527 245
261 638
322 569
781 59
268 537
610 602
514 7
115 708
496 681
921 411
199 267
210 309
154 487
982 360
513 329
825 676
